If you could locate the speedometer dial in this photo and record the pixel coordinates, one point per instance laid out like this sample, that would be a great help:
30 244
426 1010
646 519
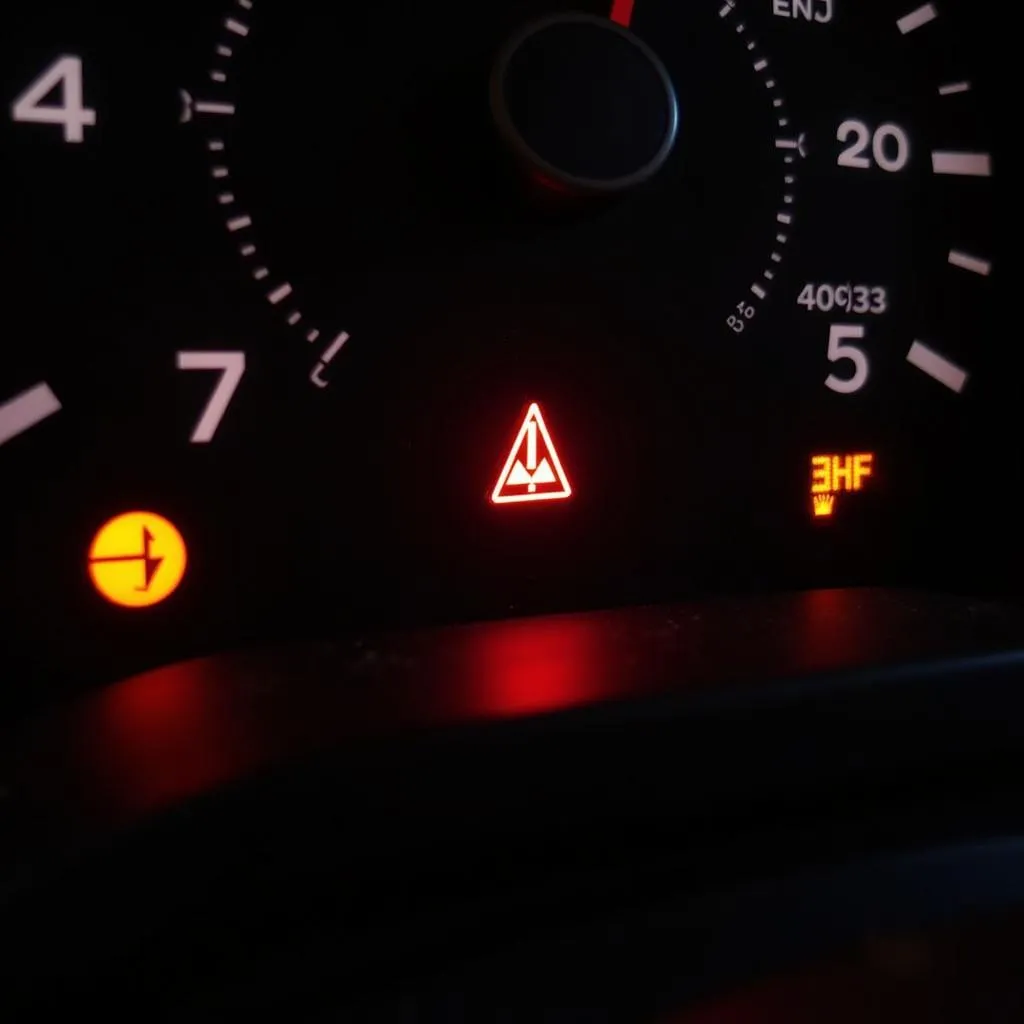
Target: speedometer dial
362 314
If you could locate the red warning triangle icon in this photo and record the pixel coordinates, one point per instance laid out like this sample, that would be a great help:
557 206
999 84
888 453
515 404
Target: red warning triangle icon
533 471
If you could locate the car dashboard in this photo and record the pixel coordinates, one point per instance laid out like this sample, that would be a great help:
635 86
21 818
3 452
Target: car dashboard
510 511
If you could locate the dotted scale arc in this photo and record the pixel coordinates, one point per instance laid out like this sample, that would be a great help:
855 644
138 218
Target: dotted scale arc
276 292
791 148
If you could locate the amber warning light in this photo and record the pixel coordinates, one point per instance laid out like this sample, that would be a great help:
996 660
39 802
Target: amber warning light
833 474
533 471
137 559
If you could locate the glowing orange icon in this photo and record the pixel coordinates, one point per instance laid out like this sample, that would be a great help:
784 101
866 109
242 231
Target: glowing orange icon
532 471
824 505
137 559
840 472
831 474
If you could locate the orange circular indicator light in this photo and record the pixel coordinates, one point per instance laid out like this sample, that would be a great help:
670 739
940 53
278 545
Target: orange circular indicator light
137 559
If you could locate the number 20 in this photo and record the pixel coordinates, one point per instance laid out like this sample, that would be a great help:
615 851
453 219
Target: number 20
879 142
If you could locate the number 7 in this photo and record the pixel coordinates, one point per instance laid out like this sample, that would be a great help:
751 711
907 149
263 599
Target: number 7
232 366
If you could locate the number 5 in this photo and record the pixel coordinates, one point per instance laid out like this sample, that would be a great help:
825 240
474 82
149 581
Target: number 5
232 366
838 333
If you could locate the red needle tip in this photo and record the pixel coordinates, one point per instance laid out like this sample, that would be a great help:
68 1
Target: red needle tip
622 12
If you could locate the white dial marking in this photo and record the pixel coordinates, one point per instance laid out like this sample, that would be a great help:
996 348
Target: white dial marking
937 366
334 348
954 88
236 26
971 263
238 223
206 107
71 113
279 294
332 351
977 165
915 19
24 411
232 367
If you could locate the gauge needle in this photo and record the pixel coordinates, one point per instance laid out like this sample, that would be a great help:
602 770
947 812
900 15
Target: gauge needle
622 12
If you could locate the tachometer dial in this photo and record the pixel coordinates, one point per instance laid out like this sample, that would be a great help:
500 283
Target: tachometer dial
475 143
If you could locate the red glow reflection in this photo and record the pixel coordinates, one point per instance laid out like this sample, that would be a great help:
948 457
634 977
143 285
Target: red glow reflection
157 739
622 12
832 628
533 665
862 989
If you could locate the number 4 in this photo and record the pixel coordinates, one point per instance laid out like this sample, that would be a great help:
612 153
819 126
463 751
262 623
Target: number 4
232 366
65 72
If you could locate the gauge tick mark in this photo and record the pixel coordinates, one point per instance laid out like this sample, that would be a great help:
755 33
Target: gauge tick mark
279 294
24 411
937 366
975 165
971 263
333 349
208 107
917 19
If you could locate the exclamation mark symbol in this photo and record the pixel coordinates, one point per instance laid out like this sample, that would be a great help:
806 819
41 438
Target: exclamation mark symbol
531 450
